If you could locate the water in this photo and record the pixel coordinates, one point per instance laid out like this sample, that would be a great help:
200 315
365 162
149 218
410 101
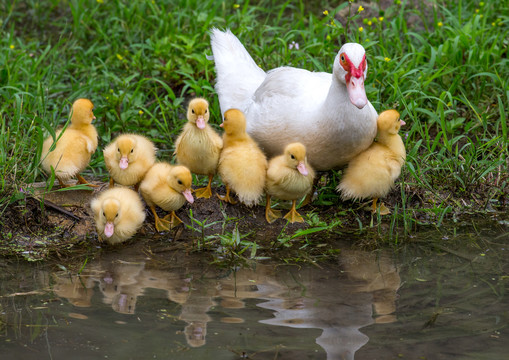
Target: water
442 301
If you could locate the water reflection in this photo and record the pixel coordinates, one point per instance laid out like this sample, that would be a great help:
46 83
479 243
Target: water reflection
341 300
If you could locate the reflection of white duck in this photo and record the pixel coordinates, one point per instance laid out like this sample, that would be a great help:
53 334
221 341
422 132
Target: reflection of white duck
329 114
337 305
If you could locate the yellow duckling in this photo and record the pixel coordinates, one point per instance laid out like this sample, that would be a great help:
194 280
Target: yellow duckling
242 165
168 187
73 147
289 177
198 145
372 173
118 214
128 158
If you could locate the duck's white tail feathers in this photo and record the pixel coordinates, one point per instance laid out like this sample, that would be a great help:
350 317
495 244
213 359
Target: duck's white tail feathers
237 75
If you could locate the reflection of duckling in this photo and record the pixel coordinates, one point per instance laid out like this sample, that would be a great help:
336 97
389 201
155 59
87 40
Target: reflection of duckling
78 290
194 313
118 214
168 187
198 146
372 173
289 177
128 158
116 277
73 147
242 165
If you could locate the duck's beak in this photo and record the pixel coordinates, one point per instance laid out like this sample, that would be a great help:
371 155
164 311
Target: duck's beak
302 168
109 229
402 122
188 195
356 91
200 122
123 163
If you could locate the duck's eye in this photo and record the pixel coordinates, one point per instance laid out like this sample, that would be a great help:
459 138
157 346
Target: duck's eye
180 182
206 111
104 214
132 151
116 215
118 149
192 110
293 157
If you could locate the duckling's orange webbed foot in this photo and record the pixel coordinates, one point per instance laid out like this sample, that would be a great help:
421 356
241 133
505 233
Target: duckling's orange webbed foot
227 197
81 180
173 220
162 224
205 192
293 215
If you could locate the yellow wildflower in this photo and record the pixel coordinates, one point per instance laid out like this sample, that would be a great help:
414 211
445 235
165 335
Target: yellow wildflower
11 46
328 37
477 11
481 15
493 24
360 9
120 57
140 112
111 91
370 23
387 59
361 29
439 24
236 6
326 12
381 18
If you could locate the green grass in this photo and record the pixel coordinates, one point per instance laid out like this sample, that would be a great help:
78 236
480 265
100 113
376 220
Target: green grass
443 65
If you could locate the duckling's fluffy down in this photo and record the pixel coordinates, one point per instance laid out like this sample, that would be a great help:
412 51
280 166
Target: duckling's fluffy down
131 213
243 167
71 154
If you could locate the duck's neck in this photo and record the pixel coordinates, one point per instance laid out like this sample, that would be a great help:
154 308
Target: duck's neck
394 143
337 99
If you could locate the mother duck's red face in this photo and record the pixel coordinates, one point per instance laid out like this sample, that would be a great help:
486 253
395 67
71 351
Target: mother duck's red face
354 80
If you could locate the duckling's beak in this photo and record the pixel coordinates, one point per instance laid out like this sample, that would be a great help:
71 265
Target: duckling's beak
222 124
123 163
188 195
402 122
200 122
356 91
109 229
302 168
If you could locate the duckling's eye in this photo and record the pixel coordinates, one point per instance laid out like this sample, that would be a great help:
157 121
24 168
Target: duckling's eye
206 111
192 110
104 214
132 151
118 149
293 157
116 215
180 182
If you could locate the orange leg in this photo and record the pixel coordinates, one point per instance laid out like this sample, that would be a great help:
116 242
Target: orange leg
227 197
62 183
161 224
270 215
82 180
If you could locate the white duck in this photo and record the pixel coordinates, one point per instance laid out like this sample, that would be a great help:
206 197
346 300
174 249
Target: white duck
328 113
